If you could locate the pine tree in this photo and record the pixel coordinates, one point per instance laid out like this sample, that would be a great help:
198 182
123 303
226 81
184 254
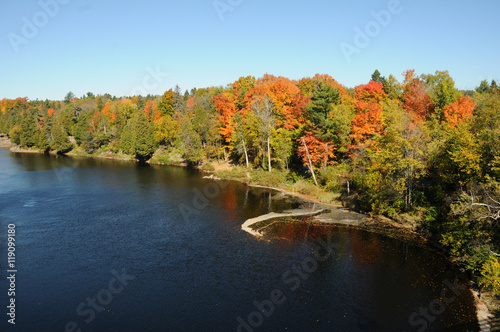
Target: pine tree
42 141
126 142
29 129
143 137
60 140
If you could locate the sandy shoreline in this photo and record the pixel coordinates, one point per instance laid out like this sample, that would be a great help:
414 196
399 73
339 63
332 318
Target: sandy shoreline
246 226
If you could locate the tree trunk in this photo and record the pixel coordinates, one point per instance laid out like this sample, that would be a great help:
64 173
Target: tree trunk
269 153
310 163
245 149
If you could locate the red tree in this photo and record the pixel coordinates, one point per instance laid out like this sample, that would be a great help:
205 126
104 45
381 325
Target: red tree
459 111
320 151
368 108
225 105
416 100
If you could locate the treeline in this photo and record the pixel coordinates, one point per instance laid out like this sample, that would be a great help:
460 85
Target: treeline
419 148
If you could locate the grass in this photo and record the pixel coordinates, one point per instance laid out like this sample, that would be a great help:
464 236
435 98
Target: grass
233 173
208 167
281 180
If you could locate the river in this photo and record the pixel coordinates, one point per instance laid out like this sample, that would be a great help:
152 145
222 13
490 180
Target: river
106 245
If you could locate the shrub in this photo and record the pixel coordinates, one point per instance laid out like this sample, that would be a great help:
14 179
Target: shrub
15 135
268 179
490 276
208 167
233 173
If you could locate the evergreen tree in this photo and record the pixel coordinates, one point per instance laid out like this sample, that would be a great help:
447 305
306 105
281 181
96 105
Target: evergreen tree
99 103
69 96
60 140
377 77
143 138
179 102
325 97
126 142
43 141
494 86
483 87
29 128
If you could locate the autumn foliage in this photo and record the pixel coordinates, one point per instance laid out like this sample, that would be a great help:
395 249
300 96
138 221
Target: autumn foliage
289 103
320 151
367 121
459 111
420 148
416 100
225 105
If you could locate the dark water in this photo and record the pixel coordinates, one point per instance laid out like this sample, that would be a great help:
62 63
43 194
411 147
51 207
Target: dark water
184 264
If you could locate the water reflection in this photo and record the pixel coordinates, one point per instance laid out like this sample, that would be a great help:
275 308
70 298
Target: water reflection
78 218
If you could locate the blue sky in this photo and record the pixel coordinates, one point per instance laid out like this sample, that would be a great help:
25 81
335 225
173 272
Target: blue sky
124 47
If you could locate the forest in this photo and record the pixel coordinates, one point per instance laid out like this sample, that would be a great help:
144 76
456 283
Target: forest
415 150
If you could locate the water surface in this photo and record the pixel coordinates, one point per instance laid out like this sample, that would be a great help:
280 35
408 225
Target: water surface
190 267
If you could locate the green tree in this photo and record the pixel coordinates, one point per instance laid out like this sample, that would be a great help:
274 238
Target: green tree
190 142
339 126
126 141
166 105
282 144
494 87
15 134
143 137
68 118
165 130
81 126
442 86
263 108
324 98
179 102
60 140
486 125
483 87
69 97
42 143
377 77
29 129
392 87
99 103
241 138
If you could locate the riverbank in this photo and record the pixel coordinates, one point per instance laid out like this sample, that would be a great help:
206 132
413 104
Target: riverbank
5 142
310 195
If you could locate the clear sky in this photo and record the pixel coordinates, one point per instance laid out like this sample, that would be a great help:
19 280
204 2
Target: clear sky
128 47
